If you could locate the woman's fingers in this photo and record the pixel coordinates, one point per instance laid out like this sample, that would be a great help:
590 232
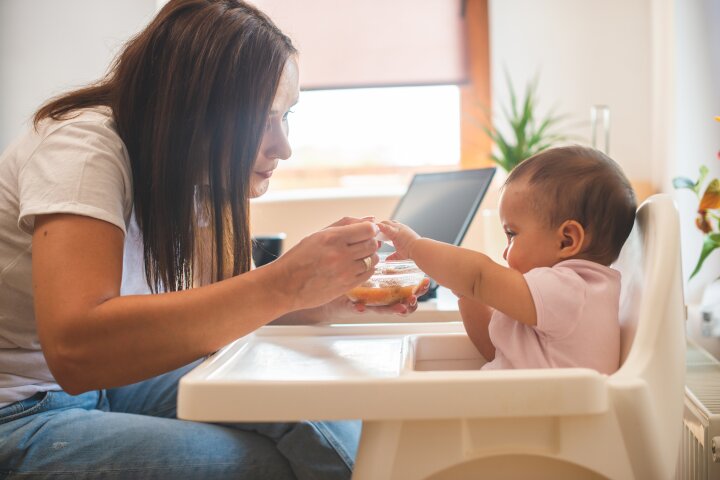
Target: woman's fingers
350 220
331 262
402 309
355 232
362 249
367 264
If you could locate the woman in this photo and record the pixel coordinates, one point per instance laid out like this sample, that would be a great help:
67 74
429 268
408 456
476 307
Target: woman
125 257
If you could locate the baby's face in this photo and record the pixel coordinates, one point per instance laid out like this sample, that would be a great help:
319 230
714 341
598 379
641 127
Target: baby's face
531 243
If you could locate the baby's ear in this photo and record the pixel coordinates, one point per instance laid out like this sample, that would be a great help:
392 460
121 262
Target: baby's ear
572 238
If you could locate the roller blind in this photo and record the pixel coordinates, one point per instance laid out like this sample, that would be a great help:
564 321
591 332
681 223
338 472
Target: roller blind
372 43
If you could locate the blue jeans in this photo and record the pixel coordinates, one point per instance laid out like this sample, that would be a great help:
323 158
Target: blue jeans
132 432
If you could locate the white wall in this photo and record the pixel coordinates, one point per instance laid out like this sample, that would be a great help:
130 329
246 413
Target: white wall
50 46
585 53
697 135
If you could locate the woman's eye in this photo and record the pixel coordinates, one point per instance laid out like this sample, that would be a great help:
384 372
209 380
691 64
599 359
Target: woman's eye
285 117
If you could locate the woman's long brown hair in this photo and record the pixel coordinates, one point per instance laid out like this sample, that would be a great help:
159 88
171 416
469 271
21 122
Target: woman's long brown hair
190 95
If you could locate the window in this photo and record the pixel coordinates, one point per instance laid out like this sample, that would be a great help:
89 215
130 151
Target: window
371 136
346 134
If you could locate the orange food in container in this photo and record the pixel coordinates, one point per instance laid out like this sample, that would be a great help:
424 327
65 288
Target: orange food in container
393 282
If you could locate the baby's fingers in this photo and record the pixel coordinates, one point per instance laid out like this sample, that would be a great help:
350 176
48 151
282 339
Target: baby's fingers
387 230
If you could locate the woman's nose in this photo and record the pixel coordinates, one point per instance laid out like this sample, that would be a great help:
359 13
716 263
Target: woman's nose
278 144
284 150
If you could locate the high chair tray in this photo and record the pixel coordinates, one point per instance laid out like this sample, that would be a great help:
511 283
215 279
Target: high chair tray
374 372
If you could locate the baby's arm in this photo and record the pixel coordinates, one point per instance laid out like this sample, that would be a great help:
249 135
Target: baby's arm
469 273
476 318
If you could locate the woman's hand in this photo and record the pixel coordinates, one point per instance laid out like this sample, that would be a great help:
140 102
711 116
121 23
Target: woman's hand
339 310
325 265
343 305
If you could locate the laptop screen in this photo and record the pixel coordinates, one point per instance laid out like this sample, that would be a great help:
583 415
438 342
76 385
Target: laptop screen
442 205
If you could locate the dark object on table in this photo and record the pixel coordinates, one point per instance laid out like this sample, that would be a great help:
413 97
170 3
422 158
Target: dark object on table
267 248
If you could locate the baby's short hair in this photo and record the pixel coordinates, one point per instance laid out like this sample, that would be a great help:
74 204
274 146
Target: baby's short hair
585 185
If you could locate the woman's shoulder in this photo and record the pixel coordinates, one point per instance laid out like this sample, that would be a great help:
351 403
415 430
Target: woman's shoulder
88 132
88 128
75 165
99 119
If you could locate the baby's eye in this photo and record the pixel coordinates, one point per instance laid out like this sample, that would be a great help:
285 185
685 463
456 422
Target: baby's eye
509 233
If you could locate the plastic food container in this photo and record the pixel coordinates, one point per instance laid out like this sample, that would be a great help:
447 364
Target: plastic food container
393 282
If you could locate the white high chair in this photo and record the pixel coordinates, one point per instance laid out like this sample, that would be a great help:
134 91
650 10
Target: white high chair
429 413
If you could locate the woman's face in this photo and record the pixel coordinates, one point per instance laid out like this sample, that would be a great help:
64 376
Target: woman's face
274 145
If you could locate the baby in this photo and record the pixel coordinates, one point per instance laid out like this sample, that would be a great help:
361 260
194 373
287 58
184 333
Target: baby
566 212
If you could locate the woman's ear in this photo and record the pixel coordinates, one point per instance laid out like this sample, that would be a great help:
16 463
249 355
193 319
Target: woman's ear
572 238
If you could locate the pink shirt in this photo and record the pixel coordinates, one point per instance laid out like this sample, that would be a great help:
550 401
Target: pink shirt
578 304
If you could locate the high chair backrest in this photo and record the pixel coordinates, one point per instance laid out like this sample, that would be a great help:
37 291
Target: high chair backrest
631 264
651 283
652 314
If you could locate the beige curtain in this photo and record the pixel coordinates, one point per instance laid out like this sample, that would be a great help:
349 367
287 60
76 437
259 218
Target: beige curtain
369 43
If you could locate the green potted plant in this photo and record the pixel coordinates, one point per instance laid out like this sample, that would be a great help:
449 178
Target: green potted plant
708 211
526 134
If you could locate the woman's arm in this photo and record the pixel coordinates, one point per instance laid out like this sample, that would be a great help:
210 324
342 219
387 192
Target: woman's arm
93 338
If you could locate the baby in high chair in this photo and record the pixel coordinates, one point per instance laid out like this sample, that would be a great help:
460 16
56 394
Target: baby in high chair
566 212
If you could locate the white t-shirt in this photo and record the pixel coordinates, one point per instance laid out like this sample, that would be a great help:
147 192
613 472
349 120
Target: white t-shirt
78 166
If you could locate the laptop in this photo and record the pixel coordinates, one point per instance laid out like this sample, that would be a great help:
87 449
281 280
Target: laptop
441 206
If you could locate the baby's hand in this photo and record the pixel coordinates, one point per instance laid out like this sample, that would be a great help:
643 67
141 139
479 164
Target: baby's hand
400 235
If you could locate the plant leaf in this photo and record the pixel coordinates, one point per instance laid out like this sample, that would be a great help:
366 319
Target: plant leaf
505 150
524 133
513 96
710 243
683 182
521 125
703 173
711 197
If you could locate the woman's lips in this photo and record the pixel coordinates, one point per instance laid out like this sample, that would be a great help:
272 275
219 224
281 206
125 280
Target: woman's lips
266 173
